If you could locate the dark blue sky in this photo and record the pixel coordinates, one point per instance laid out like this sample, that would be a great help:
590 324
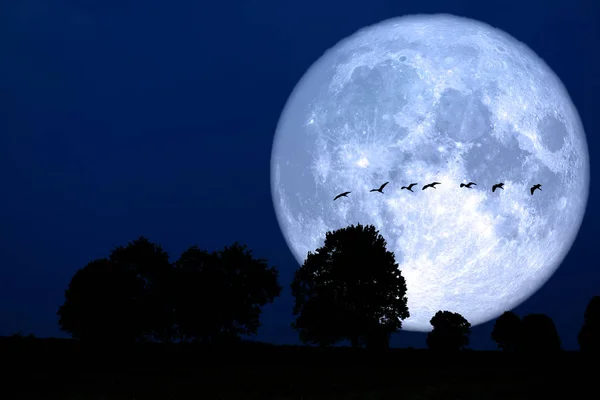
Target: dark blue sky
127 118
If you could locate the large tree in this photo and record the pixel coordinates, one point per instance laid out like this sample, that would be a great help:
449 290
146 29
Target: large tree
589 336
123 298
507 331
450 332
221 294
349 289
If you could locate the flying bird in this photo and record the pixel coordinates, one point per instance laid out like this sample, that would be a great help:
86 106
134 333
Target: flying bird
468 185
345 194
538 186
409 187
498 185
380 190
432 184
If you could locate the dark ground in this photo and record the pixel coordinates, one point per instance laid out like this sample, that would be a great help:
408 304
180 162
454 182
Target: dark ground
60 369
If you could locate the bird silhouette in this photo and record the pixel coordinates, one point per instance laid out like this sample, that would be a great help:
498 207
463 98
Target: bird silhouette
409 187
345 194
498 185
432 184
538 186
468 185
380 190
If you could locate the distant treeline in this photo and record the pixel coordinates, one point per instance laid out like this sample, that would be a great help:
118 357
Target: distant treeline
348 289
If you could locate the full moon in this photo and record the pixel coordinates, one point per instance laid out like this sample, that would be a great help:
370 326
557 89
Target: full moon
441 98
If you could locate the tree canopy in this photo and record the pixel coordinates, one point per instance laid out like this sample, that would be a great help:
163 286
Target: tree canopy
349 289
221 293
450 332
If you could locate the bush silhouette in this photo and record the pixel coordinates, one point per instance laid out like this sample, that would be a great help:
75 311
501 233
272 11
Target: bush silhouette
589 336
349 289
450 332
533 333
220 294
539 334
508 331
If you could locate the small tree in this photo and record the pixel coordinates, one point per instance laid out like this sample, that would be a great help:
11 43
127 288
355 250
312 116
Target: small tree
589 336
539 334
450 332
221 294
507 331
350 288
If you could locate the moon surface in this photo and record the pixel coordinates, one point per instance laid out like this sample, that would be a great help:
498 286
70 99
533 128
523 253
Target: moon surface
436 98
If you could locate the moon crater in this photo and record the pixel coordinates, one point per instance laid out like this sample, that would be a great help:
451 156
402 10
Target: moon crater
463 117
436 98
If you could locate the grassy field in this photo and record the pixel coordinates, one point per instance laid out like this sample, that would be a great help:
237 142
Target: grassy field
57 368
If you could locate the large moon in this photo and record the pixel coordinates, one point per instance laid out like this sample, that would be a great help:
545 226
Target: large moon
436 98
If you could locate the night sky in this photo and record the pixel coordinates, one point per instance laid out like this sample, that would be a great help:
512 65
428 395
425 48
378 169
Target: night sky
128 118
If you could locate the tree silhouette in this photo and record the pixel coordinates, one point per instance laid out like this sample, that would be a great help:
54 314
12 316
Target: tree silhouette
507 331
589 336
539 334
220 294
192 298
450 332
350 288
150 264
102 304
121 299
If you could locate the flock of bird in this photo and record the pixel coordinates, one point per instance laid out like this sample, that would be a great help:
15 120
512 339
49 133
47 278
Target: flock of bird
432 185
